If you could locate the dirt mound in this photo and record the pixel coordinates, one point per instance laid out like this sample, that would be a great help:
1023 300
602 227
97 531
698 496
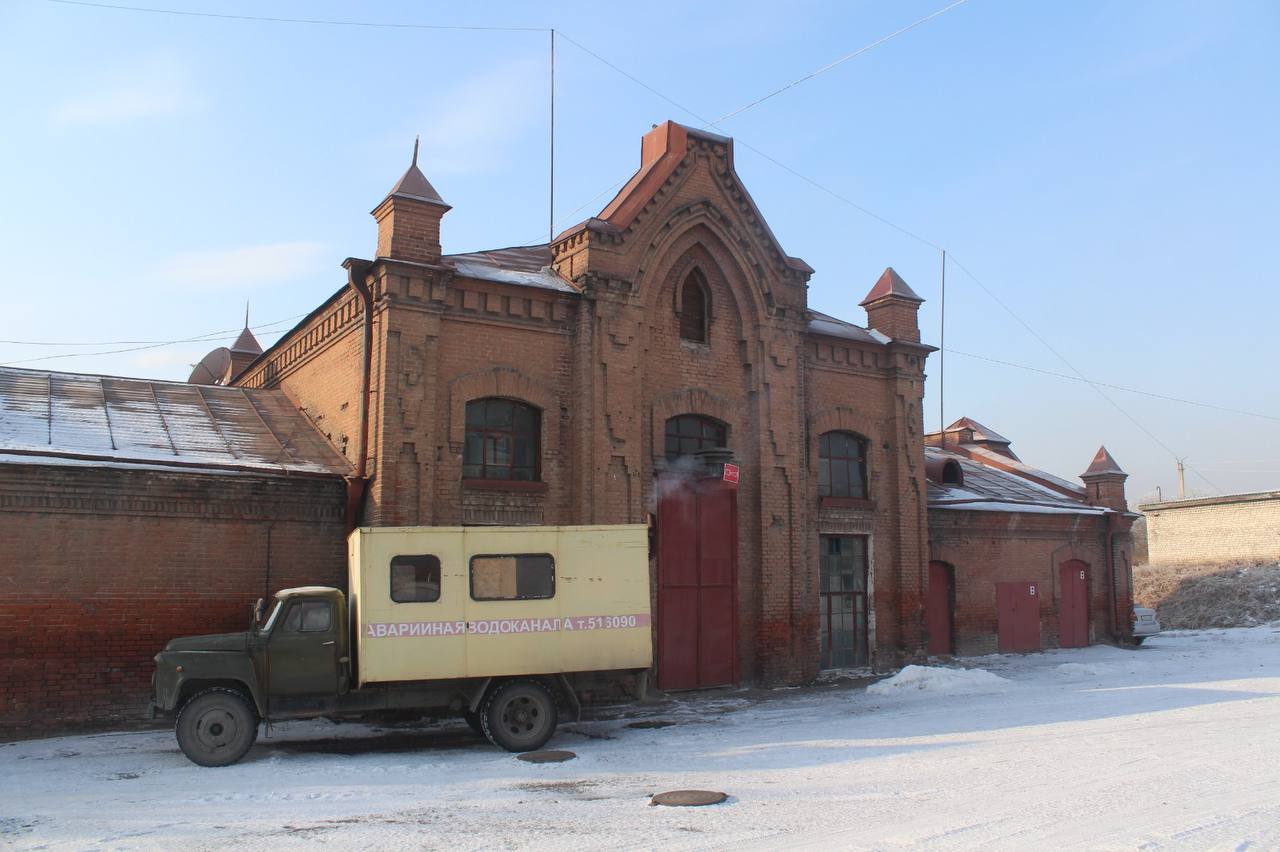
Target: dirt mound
1198 596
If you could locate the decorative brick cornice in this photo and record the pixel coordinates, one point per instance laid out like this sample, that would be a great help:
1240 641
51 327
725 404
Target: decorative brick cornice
134 493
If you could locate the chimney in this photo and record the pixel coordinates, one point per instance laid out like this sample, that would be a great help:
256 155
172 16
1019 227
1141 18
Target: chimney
1104 482
892 308
409 218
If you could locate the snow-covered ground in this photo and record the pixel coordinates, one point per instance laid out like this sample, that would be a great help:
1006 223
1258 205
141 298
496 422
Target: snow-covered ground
1175 745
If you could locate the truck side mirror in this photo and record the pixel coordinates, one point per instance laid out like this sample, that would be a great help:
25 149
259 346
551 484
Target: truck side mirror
257 612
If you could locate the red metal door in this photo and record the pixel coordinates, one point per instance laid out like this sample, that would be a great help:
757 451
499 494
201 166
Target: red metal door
1018 616
697 583
939 608
1073 604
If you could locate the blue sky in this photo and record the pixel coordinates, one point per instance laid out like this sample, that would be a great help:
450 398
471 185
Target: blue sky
1108 170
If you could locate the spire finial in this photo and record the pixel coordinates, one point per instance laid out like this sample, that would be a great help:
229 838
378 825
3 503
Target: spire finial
415 150
246 313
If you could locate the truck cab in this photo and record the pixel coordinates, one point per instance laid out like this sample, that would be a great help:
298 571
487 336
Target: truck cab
293 661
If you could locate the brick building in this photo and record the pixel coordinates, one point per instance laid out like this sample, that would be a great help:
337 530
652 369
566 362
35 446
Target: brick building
657 362
606 377
1020 559
134 511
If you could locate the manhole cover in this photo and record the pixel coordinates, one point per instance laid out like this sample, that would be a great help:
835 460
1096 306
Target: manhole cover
688 798
651 723
546 756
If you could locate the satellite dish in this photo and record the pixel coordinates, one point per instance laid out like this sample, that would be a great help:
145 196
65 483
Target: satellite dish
212 369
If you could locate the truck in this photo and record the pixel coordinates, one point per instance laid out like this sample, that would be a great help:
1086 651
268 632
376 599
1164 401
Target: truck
505 626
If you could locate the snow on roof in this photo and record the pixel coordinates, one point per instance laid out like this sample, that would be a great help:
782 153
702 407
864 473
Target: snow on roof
528 266
992 489
829 325
50 418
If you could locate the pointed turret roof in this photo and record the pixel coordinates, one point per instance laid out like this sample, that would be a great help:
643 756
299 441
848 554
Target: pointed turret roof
1103 464
246 342
890 283
414 184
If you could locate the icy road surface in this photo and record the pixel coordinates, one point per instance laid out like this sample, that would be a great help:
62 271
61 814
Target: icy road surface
1175 745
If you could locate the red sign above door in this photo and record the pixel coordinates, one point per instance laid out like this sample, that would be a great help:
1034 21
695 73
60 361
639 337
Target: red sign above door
731 473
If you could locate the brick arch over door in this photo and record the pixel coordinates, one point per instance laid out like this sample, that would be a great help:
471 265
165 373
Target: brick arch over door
691 401
507 383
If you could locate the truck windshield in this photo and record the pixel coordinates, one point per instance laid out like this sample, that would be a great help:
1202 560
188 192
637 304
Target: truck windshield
266 625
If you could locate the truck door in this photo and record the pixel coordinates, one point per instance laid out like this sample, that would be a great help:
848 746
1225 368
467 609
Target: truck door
302 655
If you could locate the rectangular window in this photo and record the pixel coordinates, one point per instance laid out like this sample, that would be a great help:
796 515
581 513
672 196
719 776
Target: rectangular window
513 577
309 617
842 599
415 579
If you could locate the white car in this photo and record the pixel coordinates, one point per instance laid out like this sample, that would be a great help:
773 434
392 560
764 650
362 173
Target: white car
1145 624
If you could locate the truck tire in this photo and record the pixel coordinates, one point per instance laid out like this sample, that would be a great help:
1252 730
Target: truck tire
216 727
519 715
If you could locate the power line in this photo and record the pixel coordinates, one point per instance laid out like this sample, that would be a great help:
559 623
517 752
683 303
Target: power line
824 69
156 345
919 238
1073 369
327 22
1114 387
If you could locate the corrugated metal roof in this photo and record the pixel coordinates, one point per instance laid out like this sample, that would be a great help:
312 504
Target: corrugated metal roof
989 486
47 416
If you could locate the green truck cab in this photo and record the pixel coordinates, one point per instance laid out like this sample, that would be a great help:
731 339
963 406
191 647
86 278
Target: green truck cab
503 626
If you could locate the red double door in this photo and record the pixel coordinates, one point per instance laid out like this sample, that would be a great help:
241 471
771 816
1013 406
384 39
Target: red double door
697 583
1073 604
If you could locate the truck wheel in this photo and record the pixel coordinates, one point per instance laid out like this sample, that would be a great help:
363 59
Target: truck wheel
216 727
520 715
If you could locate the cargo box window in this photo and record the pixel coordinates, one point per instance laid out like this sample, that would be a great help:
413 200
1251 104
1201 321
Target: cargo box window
309 617
513 577
415 579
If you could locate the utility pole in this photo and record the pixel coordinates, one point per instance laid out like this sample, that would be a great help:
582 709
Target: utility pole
551 205
1182 482
942 358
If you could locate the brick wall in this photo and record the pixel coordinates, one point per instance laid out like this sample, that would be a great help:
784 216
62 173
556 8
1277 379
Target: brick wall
100 567
985 548
1234 528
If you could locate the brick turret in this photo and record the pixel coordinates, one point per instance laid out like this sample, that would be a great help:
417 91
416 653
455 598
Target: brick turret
1104 482
892 308
409 218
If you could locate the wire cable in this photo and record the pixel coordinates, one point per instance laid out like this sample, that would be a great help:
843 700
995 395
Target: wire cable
155 345
829 66
1151 394
327 22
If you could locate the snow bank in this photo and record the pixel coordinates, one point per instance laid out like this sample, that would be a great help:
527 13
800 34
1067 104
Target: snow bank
939 680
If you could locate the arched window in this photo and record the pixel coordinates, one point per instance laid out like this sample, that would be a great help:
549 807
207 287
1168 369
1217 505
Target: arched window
688 433
503 441
693 308
842 465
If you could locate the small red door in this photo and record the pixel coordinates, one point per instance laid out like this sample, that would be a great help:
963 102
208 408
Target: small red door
939 608
697 574
1073 604
1018 616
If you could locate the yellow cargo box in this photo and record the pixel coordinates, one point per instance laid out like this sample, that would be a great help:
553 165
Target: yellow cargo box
457 602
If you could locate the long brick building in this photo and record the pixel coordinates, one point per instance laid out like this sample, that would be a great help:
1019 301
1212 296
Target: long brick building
659 362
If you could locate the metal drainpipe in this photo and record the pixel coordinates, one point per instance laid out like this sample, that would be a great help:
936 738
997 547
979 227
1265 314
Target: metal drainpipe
1108 542
358 483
